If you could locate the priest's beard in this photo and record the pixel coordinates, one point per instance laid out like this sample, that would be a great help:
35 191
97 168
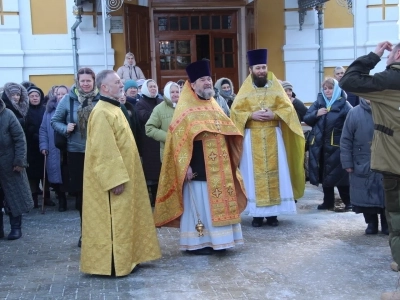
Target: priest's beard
259 81
207 93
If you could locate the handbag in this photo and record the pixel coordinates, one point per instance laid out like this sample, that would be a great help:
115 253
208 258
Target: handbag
60 140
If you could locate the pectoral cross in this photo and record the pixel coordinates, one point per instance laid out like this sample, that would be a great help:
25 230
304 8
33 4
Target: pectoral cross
383 5
6 13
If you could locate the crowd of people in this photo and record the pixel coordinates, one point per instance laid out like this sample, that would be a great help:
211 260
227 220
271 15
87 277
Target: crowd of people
198 153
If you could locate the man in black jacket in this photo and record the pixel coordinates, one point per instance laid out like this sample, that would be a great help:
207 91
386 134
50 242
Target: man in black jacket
383 90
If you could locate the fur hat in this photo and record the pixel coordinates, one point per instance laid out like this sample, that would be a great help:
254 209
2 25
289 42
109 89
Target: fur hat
198 69
287 85
257 57
14 89
130 84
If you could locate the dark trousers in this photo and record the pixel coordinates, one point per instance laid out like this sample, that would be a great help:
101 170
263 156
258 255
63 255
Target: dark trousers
329 195
391 184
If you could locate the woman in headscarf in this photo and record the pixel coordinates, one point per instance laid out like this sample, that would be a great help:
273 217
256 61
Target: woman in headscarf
48 148
84 96
326 116
151 148
15 97
130 70
225 88
158 123
35 158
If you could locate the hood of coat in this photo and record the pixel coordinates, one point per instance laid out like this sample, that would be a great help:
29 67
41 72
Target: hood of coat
51 104
365 105
126 63
36 89
2 106
218 84
23 104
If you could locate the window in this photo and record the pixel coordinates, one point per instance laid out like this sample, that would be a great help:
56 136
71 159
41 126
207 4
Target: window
174 54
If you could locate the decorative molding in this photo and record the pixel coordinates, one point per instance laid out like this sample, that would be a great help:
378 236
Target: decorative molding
348 4
305 5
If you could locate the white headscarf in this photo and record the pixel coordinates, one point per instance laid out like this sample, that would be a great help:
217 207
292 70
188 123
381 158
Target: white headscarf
167 90
145 89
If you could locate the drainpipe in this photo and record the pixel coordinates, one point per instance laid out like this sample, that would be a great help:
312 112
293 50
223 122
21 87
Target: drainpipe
320 10
77 10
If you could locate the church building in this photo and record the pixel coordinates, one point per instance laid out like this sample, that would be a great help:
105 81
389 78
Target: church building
43 40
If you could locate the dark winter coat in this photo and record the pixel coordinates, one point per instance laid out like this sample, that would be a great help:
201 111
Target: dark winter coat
324 142
60 119
366 188
131 115
32 124
46 142
15 185
151 148
20 110
300 108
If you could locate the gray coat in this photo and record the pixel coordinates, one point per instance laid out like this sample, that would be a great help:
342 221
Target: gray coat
46 142
355 152
59 121
17 194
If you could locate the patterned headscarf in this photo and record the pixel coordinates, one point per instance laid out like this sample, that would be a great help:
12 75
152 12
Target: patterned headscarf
85 108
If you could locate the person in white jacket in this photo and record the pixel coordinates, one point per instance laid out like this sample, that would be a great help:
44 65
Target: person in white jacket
129 71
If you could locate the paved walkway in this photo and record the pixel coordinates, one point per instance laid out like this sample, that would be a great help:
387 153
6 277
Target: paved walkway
311 255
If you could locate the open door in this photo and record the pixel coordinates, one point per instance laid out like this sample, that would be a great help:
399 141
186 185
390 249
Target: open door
224 57
251 34
137 35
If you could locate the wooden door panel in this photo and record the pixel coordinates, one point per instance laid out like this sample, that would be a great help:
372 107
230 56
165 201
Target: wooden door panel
224 57
137 35
173 54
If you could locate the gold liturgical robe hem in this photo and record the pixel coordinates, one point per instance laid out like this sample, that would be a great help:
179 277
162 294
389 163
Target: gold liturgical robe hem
114 227
263 138
196 119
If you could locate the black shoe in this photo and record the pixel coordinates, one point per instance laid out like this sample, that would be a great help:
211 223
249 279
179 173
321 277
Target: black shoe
80 242
257 222
325 206
62 202
202 251
15 232
372 228
219 250
384 229
35 200
272 221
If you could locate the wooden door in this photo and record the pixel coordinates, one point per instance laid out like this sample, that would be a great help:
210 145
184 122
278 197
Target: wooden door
173 54
224 57
137 35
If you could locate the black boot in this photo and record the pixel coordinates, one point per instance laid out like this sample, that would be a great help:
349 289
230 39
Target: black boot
62 202
325 206
372 228
272 221
15 223
35 200
1 225
153 191
384 224
257 222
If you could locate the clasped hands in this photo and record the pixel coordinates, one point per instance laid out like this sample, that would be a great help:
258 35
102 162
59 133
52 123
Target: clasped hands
263 115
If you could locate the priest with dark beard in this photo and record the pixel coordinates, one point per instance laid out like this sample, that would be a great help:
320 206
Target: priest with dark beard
273 147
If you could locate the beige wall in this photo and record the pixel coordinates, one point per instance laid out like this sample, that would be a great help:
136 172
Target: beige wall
271 33
49 17
337 16
45 82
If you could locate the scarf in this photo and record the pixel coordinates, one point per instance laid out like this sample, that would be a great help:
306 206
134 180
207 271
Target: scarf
145 89
85 108
337 91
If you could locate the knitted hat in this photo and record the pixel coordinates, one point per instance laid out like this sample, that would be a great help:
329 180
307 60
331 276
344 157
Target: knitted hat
198 69
14 88
140 82
130 84
287 85
257 57
32 89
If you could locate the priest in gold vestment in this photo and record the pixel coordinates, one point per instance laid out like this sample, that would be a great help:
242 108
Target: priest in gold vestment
273 147
118 230
200 183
